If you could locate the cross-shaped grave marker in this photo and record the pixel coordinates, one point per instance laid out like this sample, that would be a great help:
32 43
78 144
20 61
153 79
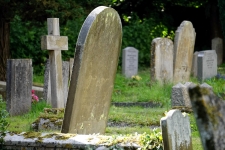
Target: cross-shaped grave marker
55 43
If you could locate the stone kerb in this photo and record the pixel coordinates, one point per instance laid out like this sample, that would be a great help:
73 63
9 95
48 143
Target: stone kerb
184 42
95 64
19 86
176 131
55 43
130 62
162 60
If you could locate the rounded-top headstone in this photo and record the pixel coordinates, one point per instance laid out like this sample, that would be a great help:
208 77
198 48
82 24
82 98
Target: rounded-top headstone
95 64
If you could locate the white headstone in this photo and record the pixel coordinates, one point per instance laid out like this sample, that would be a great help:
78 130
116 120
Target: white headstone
217 44
130 61
162 60
207 64
176 131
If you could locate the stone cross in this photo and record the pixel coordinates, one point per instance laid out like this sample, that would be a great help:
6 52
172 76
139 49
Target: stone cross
55 43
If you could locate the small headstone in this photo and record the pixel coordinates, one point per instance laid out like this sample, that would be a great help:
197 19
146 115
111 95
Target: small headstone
130 62
176 131
207 64
55 43
209 111
162 60
95 65
183 52
217 45
195 64
19 86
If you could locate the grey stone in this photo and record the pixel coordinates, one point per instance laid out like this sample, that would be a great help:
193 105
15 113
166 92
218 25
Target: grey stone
176 131
65 71
162 60
130 62
217 45
19 86
195 64
207 64
54 43
95 64
71 61
184 42
209 111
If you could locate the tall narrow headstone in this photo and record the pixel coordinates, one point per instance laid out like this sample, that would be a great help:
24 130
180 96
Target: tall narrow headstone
207 64
95 64
194 69
55 43
183 52
65 71
176 131
162 60
217 45
19 86
130 62
209 112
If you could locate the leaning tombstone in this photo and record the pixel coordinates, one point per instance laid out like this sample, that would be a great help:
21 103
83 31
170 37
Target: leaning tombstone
95 64
55 43
207 65
184 42
162 60
176 131
217 45
209 111
19 86
130 62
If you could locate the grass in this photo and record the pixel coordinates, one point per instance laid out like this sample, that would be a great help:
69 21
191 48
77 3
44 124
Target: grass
134 119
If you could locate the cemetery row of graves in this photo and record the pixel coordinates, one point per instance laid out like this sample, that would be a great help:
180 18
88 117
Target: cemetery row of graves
80 91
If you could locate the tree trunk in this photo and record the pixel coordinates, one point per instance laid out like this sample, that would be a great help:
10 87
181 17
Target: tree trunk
4 47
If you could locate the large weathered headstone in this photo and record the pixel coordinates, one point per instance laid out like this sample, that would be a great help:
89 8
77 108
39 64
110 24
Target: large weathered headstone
183 52
162 60
207 64
55 43
19 86
95 64
176 131
217 45
130 62
209 112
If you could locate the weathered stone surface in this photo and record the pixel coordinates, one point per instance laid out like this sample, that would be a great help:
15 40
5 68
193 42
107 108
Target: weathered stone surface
162 60
54 43
194 69
71 67
65 71
19 86
207 64
47 83
217 45
176 131
130 62
183 52
59 141
94 70
209 112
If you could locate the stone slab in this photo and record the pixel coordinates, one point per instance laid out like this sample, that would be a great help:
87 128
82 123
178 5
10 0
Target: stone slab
95 65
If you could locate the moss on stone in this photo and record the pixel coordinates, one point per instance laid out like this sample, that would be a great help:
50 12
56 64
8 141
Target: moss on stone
31 135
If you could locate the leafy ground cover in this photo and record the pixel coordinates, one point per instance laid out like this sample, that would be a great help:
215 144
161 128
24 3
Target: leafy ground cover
127 120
